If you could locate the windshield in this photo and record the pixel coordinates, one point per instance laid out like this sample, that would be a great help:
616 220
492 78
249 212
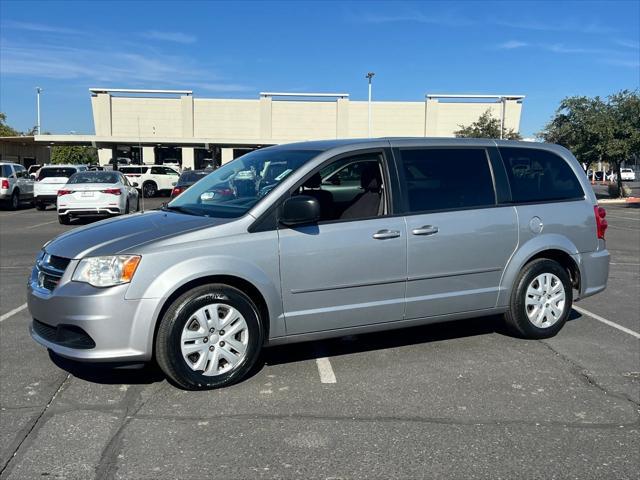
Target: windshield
94 177
193 176
56 172
234 188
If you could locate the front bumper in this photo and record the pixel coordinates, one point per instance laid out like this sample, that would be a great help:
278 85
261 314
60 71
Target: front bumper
121 329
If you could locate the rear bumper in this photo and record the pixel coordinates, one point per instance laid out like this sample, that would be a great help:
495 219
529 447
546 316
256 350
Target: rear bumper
88 211
594 271
45 198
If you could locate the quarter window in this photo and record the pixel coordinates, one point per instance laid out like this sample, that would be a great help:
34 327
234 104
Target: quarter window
446 179
538 175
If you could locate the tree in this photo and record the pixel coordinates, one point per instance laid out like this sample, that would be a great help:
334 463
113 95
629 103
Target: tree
6 130
486 127
74 154
598 130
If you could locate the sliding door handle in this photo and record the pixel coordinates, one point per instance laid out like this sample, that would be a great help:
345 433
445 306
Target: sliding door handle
425 230
384 234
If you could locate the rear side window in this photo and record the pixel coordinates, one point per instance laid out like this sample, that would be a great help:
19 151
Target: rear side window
6 171
133 170
56 172
446 179
538 176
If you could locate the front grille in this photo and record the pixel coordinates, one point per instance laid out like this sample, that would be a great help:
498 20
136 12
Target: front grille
50 271
59 263
69 336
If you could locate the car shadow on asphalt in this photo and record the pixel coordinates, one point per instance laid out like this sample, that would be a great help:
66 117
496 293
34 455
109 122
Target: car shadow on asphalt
278 355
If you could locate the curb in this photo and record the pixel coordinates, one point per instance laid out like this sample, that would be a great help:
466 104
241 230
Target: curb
618 201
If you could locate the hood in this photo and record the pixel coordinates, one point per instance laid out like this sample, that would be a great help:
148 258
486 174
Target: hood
122 234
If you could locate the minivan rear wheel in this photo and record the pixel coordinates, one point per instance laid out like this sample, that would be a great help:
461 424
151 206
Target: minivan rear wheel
210 337
541 300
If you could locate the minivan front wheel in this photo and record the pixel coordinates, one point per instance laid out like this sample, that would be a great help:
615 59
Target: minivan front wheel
541 300
210 337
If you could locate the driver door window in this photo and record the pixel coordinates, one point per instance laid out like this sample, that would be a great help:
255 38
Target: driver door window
351 188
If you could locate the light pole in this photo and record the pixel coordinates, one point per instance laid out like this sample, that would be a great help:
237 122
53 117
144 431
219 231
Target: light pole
38 92
369 76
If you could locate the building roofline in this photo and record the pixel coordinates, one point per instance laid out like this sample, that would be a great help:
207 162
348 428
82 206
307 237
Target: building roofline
140 90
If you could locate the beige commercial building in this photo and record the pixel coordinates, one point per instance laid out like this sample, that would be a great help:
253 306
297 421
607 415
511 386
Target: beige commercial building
156 126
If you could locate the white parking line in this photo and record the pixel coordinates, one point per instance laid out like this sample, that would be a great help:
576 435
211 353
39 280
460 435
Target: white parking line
624 218
12 312
325 370
607 322
41 224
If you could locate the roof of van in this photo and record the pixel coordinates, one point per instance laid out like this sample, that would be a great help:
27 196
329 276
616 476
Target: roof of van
329 144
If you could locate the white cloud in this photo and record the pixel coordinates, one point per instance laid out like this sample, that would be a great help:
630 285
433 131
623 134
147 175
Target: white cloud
628 43
176 37
142 68
37 27
512 44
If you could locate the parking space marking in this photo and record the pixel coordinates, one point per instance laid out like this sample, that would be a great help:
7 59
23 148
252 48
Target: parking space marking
12 312
623 228
625 218
41 224
607 322
325 370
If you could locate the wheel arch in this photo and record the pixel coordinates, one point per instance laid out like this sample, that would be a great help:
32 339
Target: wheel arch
241 284
551 246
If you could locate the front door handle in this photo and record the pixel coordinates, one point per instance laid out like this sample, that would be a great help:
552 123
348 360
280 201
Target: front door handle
384 234
425 230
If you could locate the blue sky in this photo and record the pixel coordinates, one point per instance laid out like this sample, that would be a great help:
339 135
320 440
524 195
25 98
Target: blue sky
544 50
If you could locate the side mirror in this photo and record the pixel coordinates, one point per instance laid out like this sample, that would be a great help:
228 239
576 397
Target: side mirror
300 210
135 184
173 184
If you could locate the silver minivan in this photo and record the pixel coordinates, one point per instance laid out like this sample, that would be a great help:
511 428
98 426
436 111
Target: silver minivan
323 239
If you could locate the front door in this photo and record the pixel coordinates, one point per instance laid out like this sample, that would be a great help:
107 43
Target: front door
459 240
350 270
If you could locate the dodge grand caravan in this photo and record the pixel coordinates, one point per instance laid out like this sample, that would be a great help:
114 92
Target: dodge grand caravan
322 239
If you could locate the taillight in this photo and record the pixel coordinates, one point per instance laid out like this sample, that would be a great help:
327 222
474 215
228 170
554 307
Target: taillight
112 191
601 222
64 192
177 191
5 183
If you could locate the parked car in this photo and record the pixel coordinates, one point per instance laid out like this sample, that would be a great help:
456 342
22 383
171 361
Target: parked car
33 171
95 193
204 284
188 178
151 179
627 175
52 178
15 185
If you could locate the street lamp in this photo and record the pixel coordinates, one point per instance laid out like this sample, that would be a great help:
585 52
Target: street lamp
369 76
38 92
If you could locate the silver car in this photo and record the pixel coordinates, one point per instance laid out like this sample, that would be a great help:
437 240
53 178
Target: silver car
323 239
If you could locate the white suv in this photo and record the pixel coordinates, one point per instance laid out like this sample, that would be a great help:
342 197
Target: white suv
627 174
150 178
50 179
15 185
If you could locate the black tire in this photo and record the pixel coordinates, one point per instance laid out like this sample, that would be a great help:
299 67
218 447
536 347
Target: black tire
15 200
126 208
41 206
137 205
64 219
149 189
167 345
516 317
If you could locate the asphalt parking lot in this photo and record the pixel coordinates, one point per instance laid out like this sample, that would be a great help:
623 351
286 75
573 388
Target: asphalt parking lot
461 400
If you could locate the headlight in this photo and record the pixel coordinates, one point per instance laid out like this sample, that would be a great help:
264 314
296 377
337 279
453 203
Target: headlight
106 271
